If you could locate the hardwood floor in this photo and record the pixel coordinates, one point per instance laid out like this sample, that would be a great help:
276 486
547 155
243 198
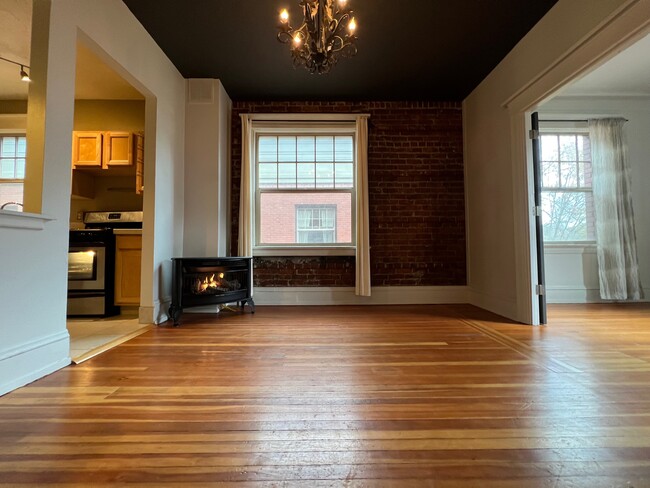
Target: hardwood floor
413 396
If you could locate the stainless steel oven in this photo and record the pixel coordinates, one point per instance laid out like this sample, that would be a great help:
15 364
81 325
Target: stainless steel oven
90 273
91 263
86 267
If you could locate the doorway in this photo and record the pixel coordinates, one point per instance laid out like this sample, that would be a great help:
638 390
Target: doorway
617 88
107 181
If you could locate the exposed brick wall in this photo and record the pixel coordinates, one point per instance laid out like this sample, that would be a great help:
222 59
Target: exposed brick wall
416 196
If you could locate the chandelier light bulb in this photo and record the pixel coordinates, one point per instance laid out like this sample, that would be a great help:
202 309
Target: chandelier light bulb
326 34
352 25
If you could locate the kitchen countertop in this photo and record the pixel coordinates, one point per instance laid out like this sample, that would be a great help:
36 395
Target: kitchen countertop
127 232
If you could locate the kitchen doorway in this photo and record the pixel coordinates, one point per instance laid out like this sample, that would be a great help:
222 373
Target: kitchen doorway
106 208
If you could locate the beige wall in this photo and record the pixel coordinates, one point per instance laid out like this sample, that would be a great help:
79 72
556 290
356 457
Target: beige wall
125 115
569 40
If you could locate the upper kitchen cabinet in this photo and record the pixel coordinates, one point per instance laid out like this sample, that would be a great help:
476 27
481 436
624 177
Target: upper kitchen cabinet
105 149
109 153
139 162
86 149
118 149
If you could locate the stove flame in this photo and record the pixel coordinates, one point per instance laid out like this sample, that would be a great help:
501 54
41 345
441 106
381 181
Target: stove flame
208 284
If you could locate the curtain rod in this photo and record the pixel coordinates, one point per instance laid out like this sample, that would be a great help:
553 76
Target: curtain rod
569 120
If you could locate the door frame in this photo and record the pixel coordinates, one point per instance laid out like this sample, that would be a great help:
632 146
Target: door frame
624 27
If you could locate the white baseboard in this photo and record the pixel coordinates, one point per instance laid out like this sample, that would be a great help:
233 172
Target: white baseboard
506 307
156 314
381 295
573 294
32 360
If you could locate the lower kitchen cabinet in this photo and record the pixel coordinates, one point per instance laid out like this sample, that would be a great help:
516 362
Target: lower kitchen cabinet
128 258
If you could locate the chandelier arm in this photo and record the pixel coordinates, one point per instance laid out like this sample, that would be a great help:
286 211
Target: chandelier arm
321 39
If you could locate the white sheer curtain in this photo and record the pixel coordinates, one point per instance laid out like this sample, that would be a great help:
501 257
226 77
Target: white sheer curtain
362 283
245 247
618 268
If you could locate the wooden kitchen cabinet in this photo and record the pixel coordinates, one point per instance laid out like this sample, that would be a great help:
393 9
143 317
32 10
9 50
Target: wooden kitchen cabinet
118 149
87 149
107 149
128 258
138 144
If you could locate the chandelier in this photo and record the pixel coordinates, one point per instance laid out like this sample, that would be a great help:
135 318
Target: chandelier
326 33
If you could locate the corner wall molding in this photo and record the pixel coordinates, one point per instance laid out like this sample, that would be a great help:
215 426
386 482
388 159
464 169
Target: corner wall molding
21 220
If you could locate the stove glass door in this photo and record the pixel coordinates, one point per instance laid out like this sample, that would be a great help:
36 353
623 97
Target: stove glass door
86 268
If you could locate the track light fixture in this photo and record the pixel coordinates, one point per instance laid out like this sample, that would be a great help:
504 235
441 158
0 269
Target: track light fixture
23 74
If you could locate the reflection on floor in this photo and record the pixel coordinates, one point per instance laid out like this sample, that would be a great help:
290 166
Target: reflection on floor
90 336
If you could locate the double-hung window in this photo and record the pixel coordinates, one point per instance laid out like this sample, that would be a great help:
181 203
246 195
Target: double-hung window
567 197
12 170
305 190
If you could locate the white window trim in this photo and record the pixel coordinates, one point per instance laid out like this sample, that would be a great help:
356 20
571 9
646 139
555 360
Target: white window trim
296 124
569 127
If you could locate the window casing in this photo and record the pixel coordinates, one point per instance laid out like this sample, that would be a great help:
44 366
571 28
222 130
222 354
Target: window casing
12 170
567 196
298 169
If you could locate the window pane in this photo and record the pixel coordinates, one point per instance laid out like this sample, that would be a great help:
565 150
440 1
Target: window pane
325 148
11 192
20 168
344 176
268 149
306 148
568 149
344 148
549 148
7 168
21 148
584 148
286 175
567 216
569 175
327 218
550 174
8 147
325 175
584 177
287 148
306 175
268 174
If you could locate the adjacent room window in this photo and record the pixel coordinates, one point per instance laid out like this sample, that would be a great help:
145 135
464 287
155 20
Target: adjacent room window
305 190
12 170
315 224
567 198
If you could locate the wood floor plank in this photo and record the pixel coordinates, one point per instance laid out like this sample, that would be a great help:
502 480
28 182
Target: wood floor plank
405 396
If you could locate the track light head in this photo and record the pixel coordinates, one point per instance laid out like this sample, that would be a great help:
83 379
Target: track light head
23 74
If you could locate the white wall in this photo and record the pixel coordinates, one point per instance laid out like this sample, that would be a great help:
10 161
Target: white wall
33 263
572 273
566 41
207 142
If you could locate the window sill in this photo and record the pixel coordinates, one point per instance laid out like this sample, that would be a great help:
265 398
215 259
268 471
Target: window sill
305 251
569 247
21 220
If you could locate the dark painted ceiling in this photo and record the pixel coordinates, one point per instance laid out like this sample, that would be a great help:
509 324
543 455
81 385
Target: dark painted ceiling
408 49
